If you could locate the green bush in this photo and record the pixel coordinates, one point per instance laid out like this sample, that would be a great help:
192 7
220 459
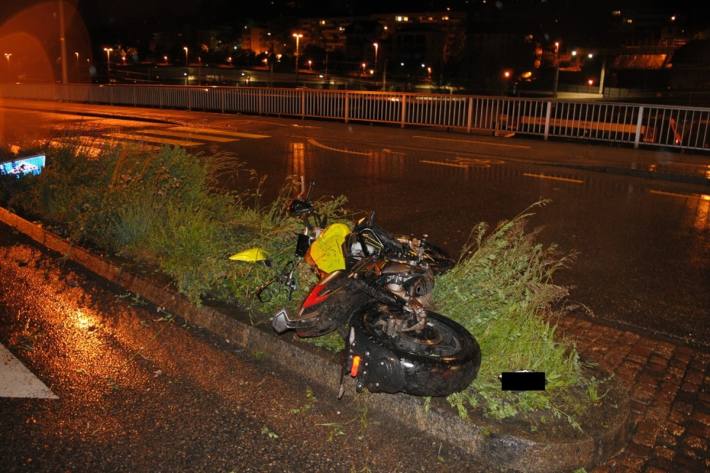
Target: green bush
501 290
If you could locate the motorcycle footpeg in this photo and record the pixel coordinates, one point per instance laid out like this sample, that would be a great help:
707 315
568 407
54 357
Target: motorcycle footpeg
280 322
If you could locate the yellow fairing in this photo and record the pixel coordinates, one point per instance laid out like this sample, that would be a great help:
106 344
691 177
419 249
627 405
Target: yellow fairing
251 255
327 250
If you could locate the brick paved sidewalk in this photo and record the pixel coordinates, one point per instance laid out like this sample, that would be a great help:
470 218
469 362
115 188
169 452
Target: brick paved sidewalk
669 386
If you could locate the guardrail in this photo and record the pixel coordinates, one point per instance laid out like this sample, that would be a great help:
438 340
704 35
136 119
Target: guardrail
634 124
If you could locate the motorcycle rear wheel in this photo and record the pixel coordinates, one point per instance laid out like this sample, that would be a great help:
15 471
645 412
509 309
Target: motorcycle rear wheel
441 359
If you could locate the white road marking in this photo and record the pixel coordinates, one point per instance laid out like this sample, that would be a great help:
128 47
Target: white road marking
673 194
61 116
189 135
126 123
445 164
210 131
479 142
92 145
337 150
553 178
153 139
18 381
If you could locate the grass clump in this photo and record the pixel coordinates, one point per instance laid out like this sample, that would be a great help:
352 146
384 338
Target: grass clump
166 211
501 290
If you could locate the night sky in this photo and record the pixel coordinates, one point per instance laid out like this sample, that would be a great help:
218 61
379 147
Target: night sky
110 20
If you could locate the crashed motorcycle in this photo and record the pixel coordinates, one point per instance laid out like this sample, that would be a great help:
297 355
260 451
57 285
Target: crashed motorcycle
375 290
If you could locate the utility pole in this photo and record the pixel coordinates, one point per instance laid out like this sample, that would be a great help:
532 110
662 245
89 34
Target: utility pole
557 70
601 77
63 43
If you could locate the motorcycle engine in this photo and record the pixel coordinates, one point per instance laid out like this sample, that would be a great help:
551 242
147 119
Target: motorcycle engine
409 282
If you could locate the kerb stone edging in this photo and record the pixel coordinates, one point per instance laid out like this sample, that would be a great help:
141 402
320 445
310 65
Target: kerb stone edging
480 438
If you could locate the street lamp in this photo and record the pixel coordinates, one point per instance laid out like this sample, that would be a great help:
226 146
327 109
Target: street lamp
310 63
363 65
557 69
7 57
184 48
76 54
108 59
298 37
377 47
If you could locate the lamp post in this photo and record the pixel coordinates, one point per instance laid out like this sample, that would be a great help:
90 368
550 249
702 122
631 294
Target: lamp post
187 64
63 43
298 37
108 60
377 47
557 69
601 77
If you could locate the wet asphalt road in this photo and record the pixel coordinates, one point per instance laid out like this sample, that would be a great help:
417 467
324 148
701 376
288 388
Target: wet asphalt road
644 244
138 391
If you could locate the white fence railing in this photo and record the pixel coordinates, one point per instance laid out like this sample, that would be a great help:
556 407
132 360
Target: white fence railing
634 124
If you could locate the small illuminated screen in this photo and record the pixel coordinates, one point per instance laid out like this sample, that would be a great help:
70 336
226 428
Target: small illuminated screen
23 166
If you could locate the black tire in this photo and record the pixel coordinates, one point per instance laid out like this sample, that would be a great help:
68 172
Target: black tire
444 358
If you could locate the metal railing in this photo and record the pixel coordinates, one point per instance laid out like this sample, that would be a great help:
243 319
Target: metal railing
633 124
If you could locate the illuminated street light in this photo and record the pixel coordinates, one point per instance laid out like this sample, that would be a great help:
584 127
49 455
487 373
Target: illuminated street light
574 52
165 59
76 54
363 65
590 56
377 47
506 74
184 48
298 37
310 64
590 82
108 58
7 57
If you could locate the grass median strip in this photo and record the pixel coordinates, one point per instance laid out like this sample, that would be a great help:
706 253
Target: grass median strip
164 211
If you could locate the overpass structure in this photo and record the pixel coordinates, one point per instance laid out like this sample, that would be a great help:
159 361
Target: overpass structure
648 125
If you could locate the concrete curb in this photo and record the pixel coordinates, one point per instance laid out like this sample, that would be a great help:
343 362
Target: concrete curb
490 442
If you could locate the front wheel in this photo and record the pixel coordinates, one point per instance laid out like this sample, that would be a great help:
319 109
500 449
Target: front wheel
440 359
